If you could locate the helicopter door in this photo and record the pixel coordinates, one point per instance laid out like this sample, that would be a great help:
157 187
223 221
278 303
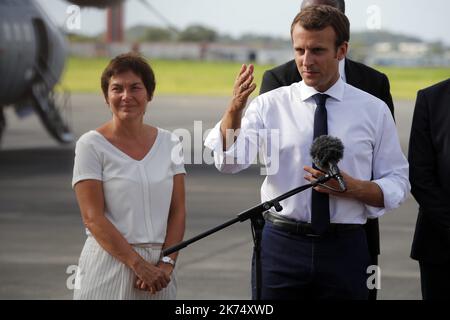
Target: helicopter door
42 91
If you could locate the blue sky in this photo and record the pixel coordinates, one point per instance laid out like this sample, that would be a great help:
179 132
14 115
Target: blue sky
425 19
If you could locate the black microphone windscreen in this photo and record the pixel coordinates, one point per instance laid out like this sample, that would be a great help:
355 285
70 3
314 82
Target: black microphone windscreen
326 149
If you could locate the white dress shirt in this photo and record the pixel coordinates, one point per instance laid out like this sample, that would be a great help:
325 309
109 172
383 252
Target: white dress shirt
363 123
137 193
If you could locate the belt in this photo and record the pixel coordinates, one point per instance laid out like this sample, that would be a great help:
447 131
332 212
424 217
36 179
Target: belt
156 246
305 229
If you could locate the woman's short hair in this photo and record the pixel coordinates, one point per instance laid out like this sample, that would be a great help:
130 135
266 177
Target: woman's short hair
320 17
129 62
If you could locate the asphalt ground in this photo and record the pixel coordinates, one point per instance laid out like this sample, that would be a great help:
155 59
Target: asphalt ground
41 232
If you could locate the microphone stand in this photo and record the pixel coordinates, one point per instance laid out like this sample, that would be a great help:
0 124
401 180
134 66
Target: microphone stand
253 214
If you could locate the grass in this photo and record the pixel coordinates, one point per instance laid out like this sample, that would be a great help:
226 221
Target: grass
172 77
405 82
216 78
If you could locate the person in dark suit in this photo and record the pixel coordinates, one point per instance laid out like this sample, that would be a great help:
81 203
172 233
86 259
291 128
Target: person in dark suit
429 173
355 74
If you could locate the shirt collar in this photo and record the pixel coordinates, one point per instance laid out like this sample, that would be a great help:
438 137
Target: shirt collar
336 91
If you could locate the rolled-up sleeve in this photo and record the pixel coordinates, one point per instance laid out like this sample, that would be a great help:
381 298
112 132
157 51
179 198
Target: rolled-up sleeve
242 153
390 167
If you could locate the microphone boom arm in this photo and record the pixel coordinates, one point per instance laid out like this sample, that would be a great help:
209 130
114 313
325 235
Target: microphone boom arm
248 214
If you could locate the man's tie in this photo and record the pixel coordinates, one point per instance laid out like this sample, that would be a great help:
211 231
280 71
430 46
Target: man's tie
320 204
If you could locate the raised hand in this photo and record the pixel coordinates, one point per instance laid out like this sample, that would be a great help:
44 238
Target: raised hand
243 87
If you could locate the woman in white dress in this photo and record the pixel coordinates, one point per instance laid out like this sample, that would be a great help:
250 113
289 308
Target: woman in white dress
129 182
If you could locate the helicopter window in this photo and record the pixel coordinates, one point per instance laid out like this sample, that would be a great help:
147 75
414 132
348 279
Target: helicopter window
27 32
17 33
7 31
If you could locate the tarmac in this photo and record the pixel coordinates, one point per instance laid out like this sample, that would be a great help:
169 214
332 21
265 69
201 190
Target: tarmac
41 232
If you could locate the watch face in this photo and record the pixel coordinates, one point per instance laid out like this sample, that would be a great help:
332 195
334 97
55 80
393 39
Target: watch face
168 260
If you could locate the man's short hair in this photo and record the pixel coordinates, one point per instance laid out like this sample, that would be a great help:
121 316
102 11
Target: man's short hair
320 17
129 62
341 5
338 4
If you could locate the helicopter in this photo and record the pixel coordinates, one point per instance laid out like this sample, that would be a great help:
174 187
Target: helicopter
32 58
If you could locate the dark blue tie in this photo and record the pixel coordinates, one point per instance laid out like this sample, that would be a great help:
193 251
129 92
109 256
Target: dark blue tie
320 202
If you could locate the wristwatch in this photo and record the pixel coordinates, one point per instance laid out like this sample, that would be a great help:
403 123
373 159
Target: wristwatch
168 260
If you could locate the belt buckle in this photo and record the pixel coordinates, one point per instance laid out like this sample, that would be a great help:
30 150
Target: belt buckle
310 233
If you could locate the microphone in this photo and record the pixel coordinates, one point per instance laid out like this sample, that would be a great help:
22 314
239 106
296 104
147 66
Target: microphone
326 151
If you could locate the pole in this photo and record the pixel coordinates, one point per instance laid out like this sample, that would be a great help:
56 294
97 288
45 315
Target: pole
247 214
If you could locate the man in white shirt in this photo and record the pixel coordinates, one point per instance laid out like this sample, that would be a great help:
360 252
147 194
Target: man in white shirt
315 247
354 73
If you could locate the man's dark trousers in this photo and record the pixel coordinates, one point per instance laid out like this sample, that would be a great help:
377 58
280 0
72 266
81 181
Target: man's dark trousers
295 266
